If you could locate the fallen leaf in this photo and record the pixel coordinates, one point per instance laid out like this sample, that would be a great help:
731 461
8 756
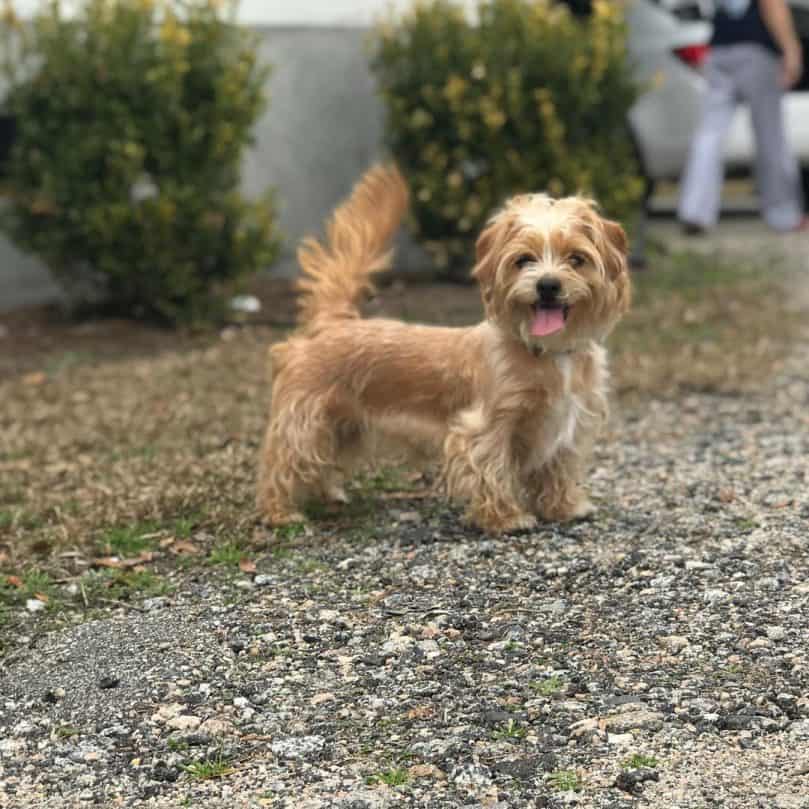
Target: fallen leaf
184 546
14 581
247 566
41 597
107 561
727 495
35 378
421 712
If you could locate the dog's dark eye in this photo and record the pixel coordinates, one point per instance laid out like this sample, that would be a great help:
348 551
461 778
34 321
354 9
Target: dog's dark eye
523 260
576 260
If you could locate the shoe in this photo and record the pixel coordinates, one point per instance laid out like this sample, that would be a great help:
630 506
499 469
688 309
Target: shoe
692 229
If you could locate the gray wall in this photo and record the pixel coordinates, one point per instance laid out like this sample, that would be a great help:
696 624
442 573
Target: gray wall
323 128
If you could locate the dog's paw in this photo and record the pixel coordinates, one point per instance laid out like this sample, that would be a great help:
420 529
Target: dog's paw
509 525
581 510
276 519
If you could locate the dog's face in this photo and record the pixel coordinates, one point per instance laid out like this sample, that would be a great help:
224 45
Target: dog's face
553 272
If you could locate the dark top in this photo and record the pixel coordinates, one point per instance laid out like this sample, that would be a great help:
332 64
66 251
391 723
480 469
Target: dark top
731 28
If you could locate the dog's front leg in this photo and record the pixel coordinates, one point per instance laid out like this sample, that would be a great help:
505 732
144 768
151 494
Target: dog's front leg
481 469
558 490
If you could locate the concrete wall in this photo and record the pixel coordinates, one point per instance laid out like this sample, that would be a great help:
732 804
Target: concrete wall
324 126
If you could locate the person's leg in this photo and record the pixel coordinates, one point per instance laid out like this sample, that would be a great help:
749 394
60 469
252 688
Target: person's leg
777 172
701 183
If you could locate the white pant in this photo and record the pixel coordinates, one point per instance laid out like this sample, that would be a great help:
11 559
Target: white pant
746 73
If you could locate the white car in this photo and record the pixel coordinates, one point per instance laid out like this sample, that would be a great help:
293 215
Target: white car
668 43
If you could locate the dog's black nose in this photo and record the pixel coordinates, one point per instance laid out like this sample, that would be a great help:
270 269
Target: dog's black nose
548 288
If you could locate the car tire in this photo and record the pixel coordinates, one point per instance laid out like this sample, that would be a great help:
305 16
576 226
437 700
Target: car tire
805 184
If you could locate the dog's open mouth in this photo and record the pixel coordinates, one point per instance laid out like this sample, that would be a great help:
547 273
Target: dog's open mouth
548 319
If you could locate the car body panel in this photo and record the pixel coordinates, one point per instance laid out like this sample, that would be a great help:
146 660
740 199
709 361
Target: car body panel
664 118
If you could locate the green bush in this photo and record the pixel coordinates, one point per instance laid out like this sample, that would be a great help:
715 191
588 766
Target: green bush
132 119
525 98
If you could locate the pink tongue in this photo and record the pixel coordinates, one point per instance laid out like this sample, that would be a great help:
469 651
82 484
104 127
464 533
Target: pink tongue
547 321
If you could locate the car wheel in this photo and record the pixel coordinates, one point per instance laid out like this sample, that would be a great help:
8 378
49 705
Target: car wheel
805 184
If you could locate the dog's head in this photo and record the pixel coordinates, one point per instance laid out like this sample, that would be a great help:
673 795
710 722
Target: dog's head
553 272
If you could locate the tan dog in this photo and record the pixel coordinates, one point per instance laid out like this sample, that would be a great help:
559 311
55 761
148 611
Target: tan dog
512 405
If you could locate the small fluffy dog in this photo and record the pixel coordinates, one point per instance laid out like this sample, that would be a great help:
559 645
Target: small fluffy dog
511 406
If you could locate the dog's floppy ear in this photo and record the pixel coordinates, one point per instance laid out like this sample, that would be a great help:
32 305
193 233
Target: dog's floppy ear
487 250
615 251
617 248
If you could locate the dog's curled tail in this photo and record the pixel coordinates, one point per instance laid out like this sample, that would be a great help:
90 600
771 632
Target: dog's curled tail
337 274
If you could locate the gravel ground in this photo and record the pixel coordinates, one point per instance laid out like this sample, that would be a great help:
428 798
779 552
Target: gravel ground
655 655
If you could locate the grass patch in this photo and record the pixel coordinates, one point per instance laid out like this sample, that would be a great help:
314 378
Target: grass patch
637 760
228 554
393 778
510 730
548 686
117 585
565 781
290 531
210 768
129 540
31 583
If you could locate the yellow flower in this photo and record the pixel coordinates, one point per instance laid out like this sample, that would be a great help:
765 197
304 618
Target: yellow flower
454 89
9 15
421 119
173 33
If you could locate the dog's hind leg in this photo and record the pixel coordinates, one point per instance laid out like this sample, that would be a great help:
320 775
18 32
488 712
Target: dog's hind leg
311 445
298 459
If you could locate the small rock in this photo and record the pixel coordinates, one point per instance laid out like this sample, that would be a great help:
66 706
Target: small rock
426 771
572 705
155 603
216 727
298 747
397 644
109 681
34 605
675 643
184 722
632 780
800 729
263 580
802 768
635 720
776 633
247 304
474 779
430 648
